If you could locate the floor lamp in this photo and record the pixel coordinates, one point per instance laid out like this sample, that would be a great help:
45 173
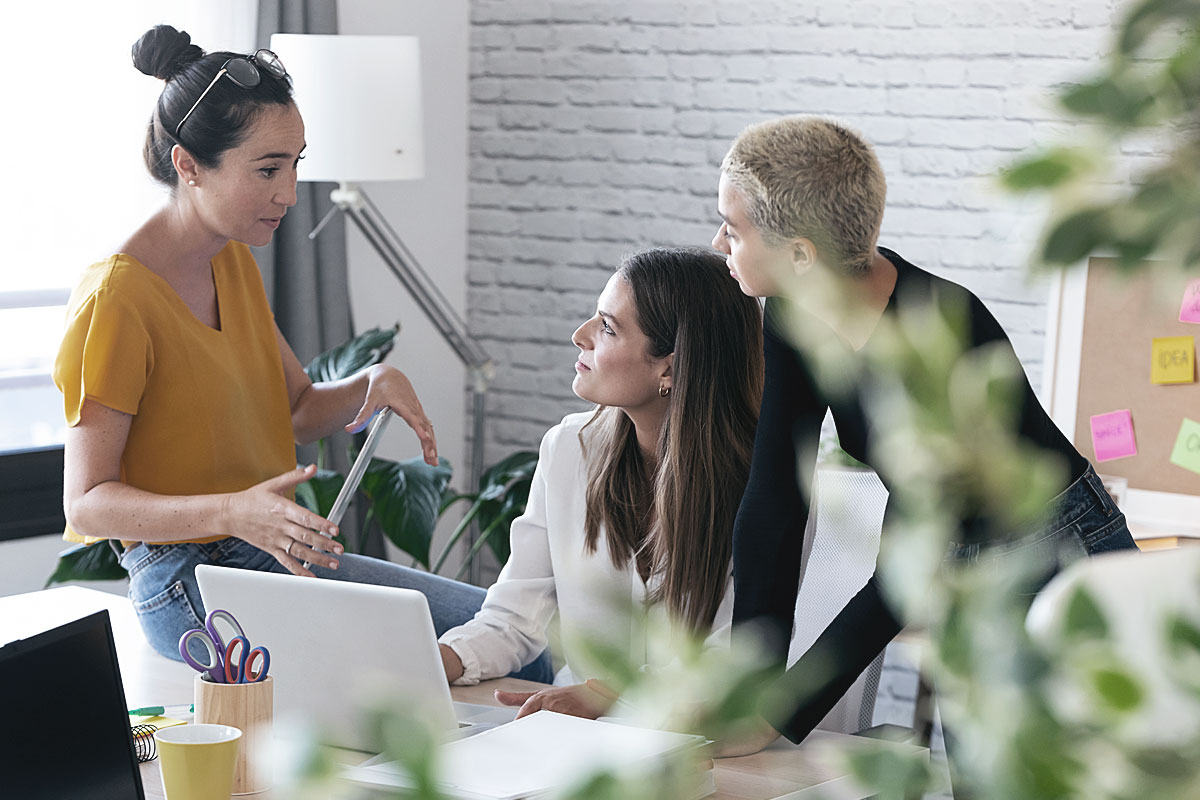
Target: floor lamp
361 101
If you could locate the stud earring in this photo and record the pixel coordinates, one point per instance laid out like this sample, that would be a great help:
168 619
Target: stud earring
192 182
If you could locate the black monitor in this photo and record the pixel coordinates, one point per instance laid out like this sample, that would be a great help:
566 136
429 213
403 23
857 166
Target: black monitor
65 730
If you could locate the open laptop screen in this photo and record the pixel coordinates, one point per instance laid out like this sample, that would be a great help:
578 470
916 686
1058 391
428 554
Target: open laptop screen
66 726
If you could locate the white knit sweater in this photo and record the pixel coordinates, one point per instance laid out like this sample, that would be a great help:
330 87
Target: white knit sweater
550 568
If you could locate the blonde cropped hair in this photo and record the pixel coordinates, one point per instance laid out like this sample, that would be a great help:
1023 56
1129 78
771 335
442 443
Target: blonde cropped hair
813 178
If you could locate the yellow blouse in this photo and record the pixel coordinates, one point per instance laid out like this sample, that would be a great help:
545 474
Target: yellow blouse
210 407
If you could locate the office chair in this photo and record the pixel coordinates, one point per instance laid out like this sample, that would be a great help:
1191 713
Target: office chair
1137 594
841 542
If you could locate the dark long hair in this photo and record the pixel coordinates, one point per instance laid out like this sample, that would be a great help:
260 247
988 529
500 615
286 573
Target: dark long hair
218 124
676 518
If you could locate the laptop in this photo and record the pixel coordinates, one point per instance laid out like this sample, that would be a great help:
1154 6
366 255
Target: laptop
66 731
338 648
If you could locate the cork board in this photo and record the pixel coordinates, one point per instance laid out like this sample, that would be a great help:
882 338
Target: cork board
1121 317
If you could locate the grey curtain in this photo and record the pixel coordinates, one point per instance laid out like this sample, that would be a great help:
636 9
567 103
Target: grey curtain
306 279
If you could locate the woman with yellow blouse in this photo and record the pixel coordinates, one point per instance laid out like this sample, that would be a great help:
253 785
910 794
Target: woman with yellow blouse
184 401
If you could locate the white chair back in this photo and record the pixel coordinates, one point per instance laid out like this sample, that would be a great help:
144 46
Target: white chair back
1148 602
841 542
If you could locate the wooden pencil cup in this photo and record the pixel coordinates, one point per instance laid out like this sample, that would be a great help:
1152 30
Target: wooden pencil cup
250 707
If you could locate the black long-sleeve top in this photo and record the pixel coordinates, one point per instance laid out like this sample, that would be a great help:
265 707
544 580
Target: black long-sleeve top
769 530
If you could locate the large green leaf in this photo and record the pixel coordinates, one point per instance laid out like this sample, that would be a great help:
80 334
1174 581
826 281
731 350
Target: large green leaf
1147 18
1084 618
96 562
503 493
358 353
1047 767
318 493
1183 637
1121 102
1044 170
955 644
1163 762
1076 236
405 498
895 774
1117 688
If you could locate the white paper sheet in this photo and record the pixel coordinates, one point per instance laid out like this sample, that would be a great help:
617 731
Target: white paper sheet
535 755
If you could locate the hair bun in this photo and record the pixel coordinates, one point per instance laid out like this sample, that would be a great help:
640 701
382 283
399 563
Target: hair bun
163 52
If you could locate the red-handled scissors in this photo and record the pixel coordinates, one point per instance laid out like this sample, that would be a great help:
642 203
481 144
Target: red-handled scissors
237 668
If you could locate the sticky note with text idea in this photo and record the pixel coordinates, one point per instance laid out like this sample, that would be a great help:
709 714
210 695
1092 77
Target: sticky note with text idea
1190 310
1174 360
1186 452
1112 435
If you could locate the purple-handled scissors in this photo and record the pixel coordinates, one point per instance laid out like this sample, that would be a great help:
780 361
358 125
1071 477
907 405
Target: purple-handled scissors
213 642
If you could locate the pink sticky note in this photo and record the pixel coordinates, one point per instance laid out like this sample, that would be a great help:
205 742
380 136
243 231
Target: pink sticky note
1190 310
1112 435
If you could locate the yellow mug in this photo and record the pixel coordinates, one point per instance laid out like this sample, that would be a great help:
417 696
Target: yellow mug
197 760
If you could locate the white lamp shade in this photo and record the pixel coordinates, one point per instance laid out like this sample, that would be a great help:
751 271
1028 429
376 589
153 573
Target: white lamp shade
360 97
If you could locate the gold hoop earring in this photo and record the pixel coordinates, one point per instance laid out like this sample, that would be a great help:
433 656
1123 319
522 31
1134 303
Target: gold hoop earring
664 391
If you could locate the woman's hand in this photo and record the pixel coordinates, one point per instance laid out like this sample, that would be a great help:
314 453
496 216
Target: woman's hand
388 387
746 738
263 516
579 700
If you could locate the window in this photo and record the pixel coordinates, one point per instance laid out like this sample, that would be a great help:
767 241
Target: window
76 187
75 113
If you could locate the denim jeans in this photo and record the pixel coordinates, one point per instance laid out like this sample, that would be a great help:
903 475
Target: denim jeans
162 586
1081 521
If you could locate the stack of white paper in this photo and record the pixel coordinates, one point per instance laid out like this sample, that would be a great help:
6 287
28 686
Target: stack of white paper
535 755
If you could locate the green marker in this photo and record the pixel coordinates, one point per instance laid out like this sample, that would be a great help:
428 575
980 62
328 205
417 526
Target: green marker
157 711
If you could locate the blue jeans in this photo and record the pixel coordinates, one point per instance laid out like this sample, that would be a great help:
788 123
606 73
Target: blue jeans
162 586
1081 521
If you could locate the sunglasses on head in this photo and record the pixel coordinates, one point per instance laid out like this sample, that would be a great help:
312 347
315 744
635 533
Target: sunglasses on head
244 71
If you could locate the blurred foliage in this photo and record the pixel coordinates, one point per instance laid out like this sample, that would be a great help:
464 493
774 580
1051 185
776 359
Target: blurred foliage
1149 87
831 454
697 689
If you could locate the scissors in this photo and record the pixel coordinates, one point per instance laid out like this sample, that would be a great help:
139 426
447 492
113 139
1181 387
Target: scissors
239 671
216 645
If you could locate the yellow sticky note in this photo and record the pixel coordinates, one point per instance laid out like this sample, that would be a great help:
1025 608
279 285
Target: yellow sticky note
1174 360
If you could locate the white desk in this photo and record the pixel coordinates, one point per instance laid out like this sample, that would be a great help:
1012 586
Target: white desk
781 771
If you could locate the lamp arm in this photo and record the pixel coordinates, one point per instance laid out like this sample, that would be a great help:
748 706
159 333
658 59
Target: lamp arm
408 270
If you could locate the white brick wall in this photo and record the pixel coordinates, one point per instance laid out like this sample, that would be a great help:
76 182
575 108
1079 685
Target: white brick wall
597 128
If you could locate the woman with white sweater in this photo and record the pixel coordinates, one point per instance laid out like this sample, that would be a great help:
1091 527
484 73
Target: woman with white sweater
634 502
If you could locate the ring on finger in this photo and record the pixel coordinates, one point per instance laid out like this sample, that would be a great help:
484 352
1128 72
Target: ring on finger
288 549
